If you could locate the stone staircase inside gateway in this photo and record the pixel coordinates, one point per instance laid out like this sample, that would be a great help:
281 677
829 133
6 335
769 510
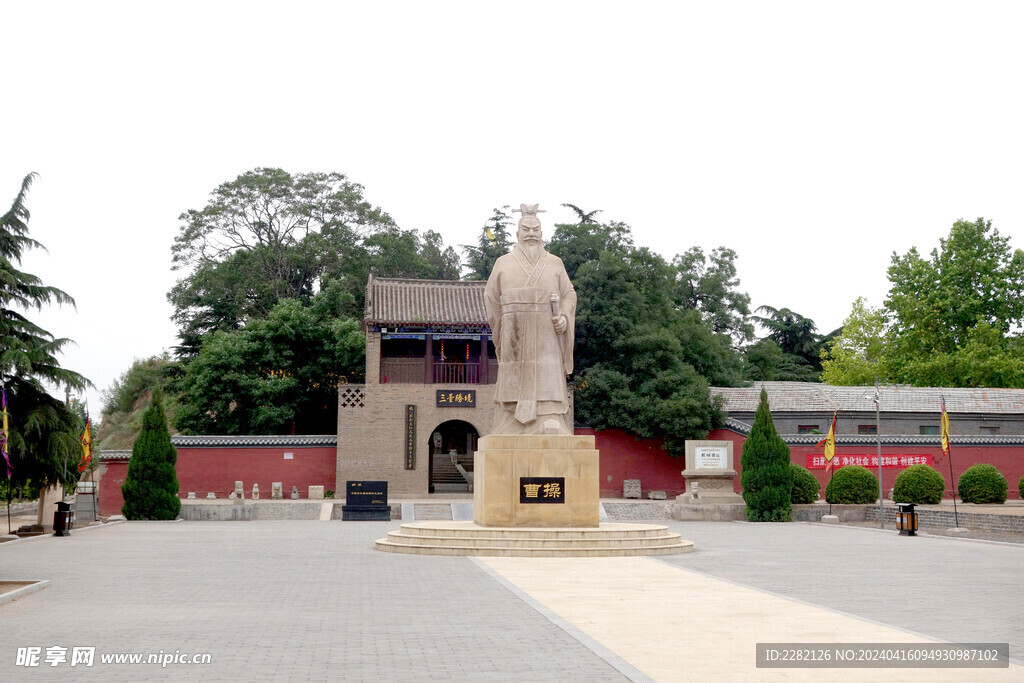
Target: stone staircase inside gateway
446 475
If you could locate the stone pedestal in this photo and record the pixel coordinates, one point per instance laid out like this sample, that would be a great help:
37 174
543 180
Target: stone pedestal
506 468
709 474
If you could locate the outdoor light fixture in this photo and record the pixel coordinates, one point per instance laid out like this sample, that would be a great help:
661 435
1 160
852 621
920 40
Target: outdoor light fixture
906 519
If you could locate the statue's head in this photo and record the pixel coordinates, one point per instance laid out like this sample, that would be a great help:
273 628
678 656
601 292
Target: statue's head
529 230
529 225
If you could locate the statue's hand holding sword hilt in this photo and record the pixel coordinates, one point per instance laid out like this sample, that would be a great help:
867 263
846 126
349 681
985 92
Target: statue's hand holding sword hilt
557 319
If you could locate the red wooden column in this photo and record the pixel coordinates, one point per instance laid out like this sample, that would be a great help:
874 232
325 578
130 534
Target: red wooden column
428 362
482 372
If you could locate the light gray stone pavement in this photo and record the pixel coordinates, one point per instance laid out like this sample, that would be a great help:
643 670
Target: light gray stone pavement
275 600
312 601
956 590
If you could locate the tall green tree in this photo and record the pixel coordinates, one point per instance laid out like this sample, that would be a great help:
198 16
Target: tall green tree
710 285
275 376
963 303
494 242
857 354
270 235
150 488
766 475
43 441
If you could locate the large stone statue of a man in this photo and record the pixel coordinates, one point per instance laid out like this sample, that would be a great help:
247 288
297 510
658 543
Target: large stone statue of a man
531 308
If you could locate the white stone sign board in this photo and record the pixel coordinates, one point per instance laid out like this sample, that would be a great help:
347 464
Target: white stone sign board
711 457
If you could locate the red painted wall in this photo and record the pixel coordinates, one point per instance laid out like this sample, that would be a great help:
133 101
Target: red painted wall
216 469
625 457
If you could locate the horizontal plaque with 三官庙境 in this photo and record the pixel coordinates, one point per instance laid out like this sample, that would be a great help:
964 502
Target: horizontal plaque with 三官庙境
456 399
541 490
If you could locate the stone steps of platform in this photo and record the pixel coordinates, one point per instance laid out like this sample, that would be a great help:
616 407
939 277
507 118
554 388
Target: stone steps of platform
605 531
397 537
466 538
429 511
622 551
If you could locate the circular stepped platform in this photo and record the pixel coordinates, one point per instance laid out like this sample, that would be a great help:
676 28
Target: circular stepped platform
610 539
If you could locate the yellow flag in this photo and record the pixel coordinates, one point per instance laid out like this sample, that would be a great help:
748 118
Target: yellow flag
829 442
945 428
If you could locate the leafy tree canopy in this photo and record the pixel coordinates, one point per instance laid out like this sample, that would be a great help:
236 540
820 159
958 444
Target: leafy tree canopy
270 235
494 241
279 375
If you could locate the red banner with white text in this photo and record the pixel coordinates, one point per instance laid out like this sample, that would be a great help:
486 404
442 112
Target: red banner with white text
895 461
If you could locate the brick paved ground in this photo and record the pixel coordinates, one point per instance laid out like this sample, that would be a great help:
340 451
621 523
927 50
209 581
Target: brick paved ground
951 589
293 600
305 601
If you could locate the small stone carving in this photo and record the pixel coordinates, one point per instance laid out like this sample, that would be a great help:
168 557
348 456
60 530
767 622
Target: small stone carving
656 495
255 491
295 493
275 490
191 495
239 492
316 492
232 496
211 496
631 488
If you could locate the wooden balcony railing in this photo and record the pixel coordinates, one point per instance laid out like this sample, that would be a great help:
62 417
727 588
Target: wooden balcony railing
401 370
456 373
410 371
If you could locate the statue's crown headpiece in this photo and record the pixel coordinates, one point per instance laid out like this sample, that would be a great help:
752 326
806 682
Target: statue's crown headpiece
529 210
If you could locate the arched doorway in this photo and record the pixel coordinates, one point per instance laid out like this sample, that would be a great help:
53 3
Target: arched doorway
451 449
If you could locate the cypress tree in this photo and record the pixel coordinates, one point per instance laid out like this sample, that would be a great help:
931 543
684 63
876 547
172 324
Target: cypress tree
150 488
767 478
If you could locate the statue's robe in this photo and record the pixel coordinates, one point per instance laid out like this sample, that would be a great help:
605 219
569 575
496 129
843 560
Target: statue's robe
533 360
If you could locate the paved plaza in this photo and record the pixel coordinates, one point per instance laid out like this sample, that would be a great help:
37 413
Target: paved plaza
312 601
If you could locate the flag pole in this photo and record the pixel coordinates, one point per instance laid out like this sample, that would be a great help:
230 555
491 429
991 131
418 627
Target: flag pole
952 483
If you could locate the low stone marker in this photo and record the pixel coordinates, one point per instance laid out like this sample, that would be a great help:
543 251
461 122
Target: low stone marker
255 491
316 492
275 490
656 495
191 495
211 496
366 501
295 493
631 488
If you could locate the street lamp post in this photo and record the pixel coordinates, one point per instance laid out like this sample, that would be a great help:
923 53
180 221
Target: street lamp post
878 441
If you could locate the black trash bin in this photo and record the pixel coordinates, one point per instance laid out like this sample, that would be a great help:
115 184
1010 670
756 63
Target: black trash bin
62 519
906 519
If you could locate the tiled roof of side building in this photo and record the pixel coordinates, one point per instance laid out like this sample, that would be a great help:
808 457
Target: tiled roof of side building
404 301
813 397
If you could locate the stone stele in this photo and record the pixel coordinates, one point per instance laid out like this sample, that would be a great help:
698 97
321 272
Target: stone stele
531 309
709 474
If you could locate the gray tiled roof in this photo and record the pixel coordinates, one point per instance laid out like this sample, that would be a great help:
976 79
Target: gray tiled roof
812 397
115 455
405 301
264 441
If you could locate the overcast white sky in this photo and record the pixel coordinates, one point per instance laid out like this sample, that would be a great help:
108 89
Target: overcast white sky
813 138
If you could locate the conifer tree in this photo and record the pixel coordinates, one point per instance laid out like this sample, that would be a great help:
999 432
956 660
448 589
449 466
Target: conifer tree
150 488
43 439
767 478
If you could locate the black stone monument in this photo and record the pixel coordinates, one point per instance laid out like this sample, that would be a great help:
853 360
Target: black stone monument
366 501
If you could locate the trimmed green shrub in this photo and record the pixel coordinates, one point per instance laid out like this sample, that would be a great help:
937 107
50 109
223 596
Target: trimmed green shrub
919 484
852 484
982 483
805 486
150 487
766 476
1020 487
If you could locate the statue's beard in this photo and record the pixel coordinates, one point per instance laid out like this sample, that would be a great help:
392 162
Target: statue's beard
532 250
